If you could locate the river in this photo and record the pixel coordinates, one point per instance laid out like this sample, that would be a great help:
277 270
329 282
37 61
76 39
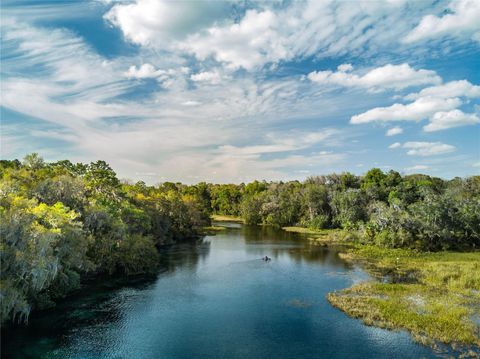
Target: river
217 299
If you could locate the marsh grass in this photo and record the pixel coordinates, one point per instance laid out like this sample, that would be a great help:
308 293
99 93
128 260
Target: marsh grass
225 218
435 296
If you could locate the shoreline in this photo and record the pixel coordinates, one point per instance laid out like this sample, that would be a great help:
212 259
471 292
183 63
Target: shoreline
435 296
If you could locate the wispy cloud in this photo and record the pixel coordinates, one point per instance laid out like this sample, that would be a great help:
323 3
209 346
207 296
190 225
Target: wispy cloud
228 92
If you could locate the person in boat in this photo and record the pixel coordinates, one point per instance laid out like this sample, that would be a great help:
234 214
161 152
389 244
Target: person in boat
266 259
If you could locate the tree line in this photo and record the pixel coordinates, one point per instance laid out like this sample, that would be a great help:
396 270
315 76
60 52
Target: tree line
387 209
63 222
415 211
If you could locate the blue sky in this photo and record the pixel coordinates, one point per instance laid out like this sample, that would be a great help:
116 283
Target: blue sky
238 90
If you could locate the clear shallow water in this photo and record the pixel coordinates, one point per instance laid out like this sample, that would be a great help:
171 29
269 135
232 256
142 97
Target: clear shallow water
217 299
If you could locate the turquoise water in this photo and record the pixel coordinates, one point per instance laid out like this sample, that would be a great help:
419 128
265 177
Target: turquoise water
217 299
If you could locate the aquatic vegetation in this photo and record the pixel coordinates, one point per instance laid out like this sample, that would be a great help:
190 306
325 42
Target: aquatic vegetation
435 296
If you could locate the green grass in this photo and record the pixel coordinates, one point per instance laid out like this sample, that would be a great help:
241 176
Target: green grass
317 236
437 301
303 230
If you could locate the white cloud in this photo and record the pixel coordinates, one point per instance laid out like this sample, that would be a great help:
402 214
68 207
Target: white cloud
395 77
285 143
250 43
167 78
394 131
157 22
451 89
425 149
145 71
438 103
345 67
211 77
421 109
462 21
455 118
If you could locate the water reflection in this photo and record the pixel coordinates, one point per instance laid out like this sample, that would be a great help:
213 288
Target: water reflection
295 245
184 255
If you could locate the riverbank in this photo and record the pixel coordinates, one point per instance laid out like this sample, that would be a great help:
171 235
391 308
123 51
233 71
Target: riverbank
434 296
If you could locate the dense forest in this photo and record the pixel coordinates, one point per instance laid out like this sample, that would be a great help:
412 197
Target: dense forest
62 223
415 211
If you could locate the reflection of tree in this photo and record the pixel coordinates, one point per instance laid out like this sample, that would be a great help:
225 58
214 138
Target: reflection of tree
185 255
296 245
97 303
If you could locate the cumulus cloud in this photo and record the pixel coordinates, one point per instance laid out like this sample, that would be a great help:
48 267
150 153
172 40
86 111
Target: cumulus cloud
425 149
455 118
439 104
395 145
394 131
462 21
418 110
462 88
158 22
395 77
249 43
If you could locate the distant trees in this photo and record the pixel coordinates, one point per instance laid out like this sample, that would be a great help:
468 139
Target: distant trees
385 208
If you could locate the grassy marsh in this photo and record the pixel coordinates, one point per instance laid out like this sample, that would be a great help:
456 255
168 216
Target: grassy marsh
435 296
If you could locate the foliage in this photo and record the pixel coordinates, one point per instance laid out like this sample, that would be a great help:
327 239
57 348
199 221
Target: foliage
414 211
60 222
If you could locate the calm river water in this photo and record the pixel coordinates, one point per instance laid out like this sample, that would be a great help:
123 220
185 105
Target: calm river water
217 299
